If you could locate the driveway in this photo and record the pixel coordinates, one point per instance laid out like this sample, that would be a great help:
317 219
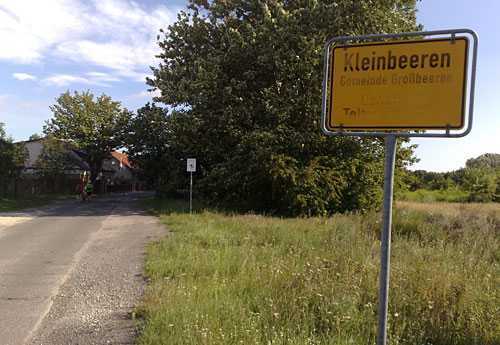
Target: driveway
72 273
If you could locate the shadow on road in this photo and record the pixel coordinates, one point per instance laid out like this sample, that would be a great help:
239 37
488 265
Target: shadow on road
121 204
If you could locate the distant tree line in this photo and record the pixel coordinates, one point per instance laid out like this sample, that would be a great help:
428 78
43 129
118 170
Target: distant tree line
480 178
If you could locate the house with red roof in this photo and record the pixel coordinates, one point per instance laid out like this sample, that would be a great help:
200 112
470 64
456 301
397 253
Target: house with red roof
118 174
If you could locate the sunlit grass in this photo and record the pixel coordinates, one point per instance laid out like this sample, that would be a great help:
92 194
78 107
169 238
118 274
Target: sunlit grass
438 195
248 279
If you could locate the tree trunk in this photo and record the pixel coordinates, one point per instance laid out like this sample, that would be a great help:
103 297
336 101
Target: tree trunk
15 188
95 169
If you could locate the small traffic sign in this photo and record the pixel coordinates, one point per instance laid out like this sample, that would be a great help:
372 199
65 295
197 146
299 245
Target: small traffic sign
191 165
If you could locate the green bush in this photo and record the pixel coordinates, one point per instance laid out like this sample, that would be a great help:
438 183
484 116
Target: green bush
444 195
482 183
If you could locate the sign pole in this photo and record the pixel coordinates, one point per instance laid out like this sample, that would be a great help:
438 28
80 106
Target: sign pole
359 84
385 247
191 167
191 193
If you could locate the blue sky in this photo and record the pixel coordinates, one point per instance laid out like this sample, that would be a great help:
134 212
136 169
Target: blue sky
482 17
106 46
51 46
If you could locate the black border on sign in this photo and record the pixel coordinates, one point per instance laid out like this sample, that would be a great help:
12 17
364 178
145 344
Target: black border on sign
464 86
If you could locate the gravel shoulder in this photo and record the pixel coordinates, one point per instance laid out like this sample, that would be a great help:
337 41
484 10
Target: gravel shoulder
94 303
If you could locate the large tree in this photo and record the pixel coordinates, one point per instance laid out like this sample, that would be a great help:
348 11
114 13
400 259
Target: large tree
95 125
486 160
148 143
246 76
56 159
3 134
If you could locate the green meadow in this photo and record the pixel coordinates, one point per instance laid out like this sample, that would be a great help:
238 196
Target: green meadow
220 278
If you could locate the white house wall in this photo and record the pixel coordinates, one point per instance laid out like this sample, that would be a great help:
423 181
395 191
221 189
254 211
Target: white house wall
34 151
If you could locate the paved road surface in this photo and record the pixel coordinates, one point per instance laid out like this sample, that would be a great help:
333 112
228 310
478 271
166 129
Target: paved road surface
71 273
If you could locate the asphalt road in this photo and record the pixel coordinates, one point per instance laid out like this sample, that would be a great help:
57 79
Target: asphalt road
72 273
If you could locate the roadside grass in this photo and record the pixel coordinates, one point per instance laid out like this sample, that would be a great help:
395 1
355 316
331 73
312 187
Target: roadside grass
160 206
444 195
248 279
16 204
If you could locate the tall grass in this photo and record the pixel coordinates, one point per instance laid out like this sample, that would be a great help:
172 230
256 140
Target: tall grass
248 279
426 195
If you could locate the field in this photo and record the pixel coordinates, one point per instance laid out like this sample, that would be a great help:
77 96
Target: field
446 195
248 279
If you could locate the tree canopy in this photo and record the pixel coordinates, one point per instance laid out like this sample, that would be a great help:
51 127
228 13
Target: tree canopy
149 141
55 158
12 159
480 179
94 125
35 136
3 134
487 160
245 77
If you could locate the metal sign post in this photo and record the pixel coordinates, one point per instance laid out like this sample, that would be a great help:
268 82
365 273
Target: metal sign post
398 85
191 192
385 247
191 167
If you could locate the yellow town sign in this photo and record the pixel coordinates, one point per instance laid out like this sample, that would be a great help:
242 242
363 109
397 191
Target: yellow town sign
405 85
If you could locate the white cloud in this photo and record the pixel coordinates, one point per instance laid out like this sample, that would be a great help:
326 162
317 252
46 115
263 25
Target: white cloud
114 55
90 78
101 76
23 76
137 76
118 35
67 79
147 94
129 47
29 28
